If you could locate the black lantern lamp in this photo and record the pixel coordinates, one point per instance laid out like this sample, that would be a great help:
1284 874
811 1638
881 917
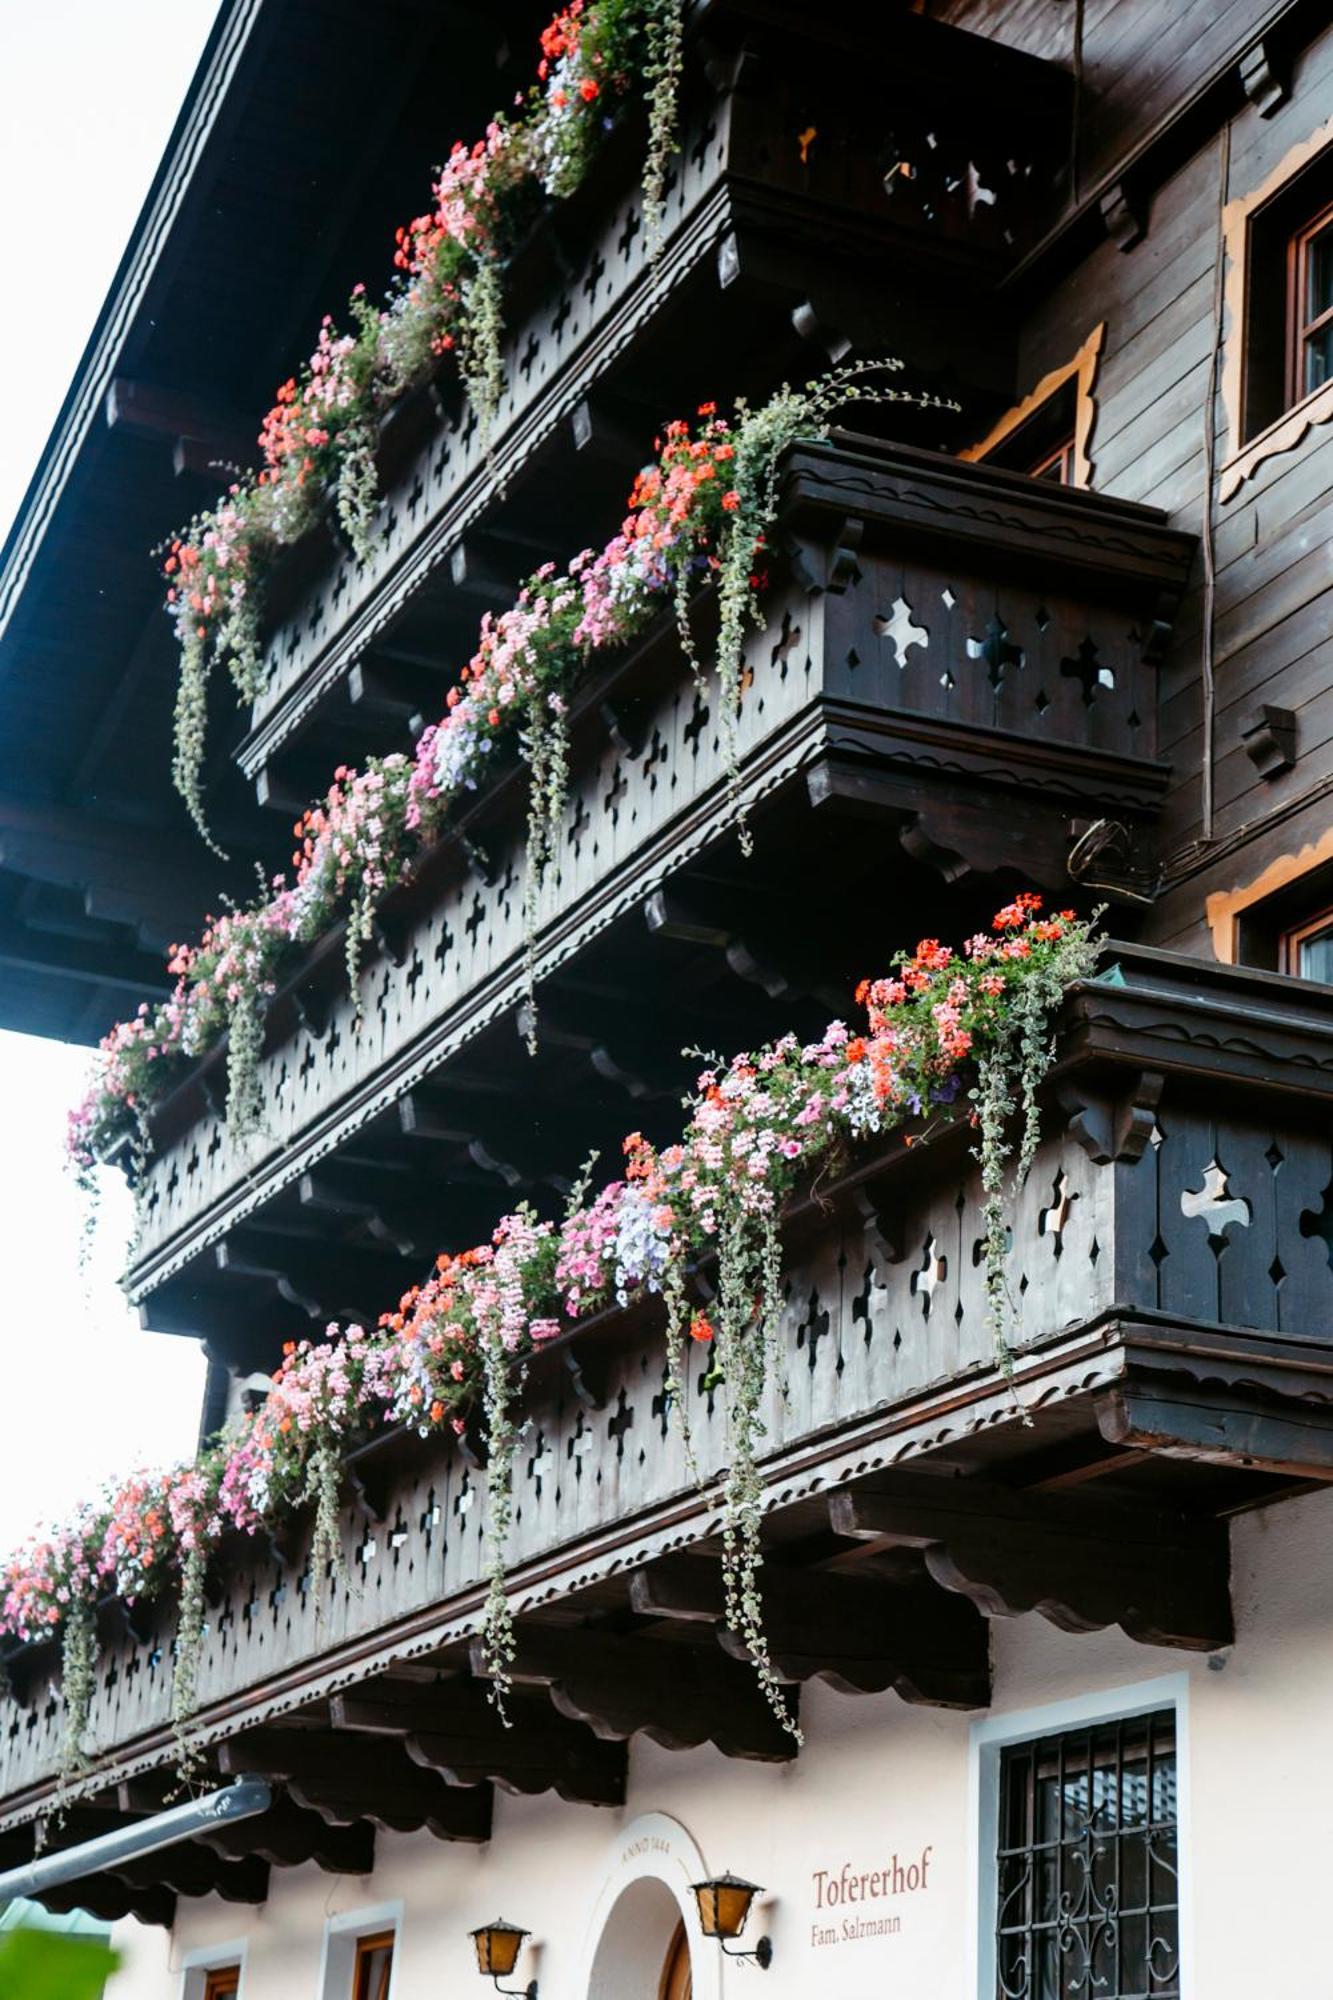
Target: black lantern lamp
724 1910
498 1946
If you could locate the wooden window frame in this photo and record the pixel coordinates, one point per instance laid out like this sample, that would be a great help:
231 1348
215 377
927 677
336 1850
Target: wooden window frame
1300 329
1077 378
1248 445
1062 456
372 1941
1291 940
222 1982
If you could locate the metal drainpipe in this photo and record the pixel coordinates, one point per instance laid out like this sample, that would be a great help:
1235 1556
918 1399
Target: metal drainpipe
243 1800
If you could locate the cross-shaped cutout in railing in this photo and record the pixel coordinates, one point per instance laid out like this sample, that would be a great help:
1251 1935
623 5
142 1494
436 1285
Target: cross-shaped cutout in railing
619 786
1215 1204
542 1463
579 1444
655 754
813 1328
998 651
933 1271
786 645
1051 1221
901 630
1088 670
621 1423
697 723
863 1305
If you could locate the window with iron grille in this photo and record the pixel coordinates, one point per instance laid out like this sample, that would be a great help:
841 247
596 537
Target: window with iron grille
1087 1865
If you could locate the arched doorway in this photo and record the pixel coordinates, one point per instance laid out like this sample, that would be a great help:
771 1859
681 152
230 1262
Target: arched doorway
642 1940
677 1973
635 1944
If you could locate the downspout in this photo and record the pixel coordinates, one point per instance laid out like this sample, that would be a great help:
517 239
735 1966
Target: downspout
243 1800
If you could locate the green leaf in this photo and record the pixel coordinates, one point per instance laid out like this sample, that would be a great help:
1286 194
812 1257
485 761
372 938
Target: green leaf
43 1965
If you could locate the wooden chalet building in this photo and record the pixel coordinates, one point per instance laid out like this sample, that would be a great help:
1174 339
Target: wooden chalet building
1062 1649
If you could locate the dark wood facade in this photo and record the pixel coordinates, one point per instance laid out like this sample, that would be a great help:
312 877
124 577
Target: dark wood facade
970 679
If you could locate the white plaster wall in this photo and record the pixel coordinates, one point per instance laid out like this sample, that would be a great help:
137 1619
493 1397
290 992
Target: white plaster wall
876 1778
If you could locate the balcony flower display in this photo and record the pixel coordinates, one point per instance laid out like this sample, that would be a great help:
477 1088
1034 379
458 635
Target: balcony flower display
947 1034
700 510
319 439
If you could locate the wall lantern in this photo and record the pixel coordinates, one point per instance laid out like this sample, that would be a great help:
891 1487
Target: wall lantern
498 1946
724 1909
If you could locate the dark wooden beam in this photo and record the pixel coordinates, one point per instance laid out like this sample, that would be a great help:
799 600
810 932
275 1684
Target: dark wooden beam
345 1781
616 1059
142 409
675 915
1083 1563
25 948
288 1837
456 1729
860 1634
190 1870
108 1899
1219 1425
120 869
677 1695
324 1280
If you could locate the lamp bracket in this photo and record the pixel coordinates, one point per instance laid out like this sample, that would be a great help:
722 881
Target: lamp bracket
762 1953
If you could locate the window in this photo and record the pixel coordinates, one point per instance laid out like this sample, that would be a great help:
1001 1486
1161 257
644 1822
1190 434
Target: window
1280 925
1277 355
1057 464
1307 949
374 1963
1310 307
223 1982
1048 435
1086 1865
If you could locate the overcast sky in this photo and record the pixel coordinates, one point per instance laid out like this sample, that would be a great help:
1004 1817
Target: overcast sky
88 94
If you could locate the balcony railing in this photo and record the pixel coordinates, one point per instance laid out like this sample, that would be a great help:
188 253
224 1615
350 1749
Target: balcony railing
943 638
799 182
1169 1266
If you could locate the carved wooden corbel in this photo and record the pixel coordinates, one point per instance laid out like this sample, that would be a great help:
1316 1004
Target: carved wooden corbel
814 325
1124 215
625 725
1263 79
1268 737
881 1222
1115 1127
587 1377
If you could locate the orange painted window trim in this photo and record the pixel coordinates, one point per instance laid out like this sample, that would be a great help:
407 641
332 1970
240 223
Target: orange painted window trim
1245 455
1082 372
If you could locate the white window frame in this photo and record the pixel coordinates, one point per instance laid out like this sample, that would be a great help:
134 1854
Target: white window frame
196 1966
995 1733
337 1962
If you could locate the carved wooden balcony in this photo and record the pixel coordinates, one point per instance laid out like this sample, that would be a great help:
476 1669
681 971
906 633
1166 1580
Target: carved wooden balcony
808 180
958 658
1170 1269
